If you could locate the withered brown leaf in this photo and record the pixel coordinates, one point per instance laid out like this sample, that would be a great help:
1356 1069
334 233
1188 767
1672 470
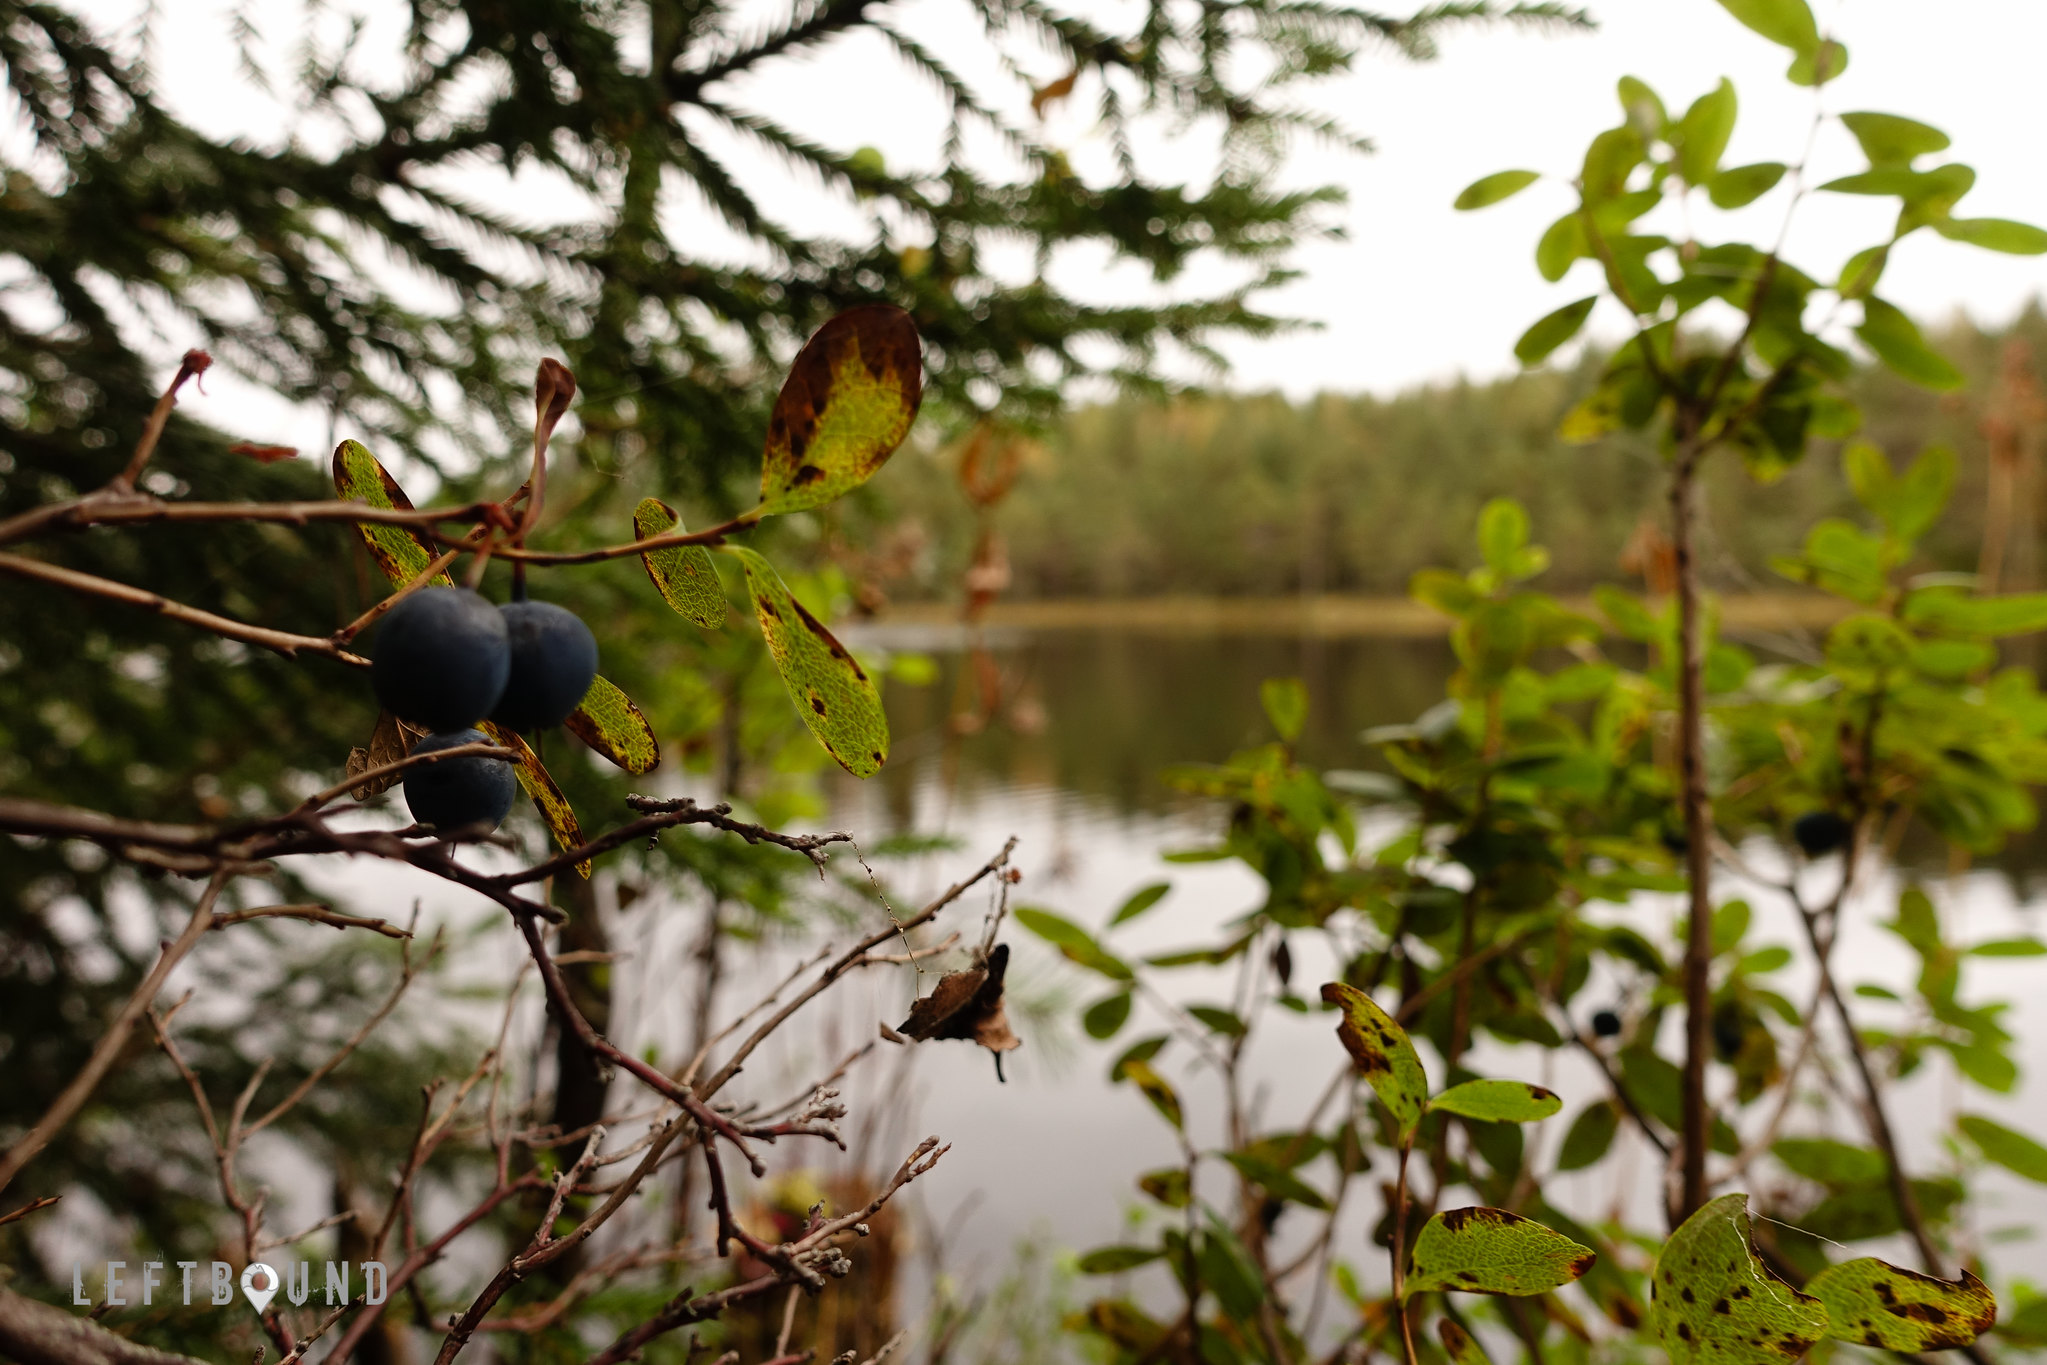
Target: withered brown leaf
390 741
967 1005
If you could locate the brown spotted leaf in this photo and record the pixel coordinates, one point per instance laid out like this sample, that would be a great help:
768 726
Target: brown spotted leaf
608 722
1460 1345
847 404
685 575
1492 1251
1498 1101
1383 1054
1876 1304
390 741
833 694
967 1005
358 477
554 808
1714 1302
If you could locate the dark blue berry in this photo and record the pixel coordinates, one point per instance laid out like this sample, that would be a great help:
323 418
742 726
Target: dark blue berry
459 792
442 659
554 660
1820 832
1606 1024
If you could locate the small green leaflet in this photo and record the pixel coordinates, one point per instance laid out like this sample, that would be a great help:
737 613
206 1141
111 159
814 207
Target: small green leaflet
1891 142
1078 945
684 574
1498 1101
1116 1260
1876 1304
1383 1053
1897 342
851 395
1493 188
1492 1251
833 694
1714 1303
1139 902
2014 1151
1788 23
608 722
360 477
1156 1089
1547 333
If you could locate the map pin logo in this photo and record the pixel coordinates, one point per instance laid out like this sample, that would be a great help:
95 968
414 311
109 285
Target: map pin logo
259 1285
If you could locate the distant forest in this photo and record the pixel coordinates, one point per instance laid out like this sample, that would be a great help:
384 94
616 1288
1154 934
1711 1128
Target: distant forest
1222 495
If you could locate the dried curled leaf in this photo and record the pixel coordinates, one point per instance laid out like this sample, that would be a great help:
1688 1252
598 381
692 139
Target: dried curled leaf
534 780
391 741
967 1005
685 574
850 397
1877 1304
359 477
263 454
833 694
1384 1055
1492 1251
1714 1302
608 722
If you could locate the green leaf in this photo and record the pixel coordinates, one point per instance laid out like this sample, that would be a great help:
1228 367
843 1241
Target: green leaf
1741 185
1552 331
1493 188
1703 132
1891 142
608 722
1825 1161
1591 1134
1383 1054
1156 1089
833 694
1106 1015
851 395
1169 1186
1788 23
1116 1260
685 575
1492 1251
2010 947
1220 1020
1609 160
1875 1304
1644 110
1498 1101
2019 613
1227 1271
1502 532
397 552
1562 243
1139 902
1862 272
1713 1300
1286 705
1278 1181
1896 341
1818 66
1460 1345
2012 1150
1995 234
1076 943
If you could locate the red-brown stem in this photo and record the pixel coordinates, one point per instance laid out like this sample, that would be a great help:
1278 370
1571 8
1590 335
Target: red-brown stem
1696 804
1400 1250
194 363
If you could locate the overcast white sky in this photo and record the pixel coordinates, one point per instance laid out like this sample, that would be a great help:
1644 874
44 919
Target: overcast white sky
1417 292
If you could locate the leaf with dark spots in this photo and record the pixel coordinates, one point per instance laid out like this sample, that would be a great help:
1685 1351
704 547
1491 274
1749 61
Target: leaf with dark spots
833 694
851 395
1498 1101
537 783
1715 1303
360 477
685 574
1383 1054
1492 1251
967 1005
1460 1345
609 723
1902 1310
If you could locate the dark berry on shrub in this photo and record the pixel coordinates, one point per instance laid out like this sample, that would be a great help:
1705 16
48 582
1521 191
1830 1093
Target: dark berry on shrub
1820 832
554 660
459 792
442 659
1606 1024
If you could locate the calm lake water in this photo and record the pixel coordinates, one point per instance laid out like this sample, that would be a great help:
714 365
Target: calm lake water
1057 1148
